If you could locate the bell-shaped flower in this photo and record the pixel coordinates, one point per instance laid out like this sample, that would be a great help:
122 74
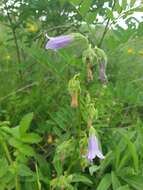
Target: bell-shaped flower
59 42
62 41
94 147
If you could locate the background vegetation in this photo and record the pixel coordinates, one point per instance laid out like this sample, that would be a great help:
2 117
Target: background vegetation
42 138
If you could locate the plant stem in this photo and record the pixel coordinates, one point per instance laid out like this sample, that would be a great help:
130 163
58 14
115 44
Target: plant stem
104 33
13 28
7 152
38 180
106 28
17 184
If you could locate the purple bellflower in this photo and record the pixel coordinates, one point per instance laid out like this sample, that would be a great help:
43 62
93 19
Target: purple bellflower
94 148
58 42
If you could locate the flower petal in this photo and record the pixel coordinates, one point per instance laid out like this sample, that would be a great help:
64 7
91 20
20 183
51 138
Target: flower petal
58 42
94 149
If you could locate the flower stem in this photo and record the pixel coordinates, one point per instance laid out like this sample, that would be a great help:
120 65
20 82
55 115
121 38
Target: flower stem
38 179
13 29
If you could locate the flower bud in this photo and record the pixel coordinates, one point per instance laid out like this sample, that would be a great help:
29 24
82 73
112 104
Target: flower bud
91 111
50 139
32 27
72 40
102 59
88 57
74 90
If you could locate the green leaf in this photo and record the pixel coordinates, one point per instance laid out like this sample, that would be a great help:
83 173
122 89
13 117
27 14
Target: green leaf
134 181
124 4
109 14
118 7
75 2
105 182
93 169
31 138
85 7
23 170
106 162
115 181
137 9
125 187
23 148
132 150
3 167
81 178
132 2
25 123
90 17
58 165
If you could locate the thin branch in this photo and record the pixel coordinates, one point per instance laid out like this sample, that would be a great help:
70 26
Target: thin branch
19 90
104 33
15 40
106 28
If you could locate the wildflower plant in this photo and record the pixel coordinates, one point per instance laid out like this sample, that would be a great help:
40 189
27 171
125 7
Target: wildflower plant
52 55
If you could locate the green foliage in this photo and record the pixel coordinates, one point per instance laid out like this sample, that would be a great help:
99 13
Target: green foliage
43 140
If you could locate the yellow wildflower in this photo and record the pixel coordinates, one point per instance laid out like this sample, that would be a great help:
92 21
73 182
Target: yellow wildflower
140 52
7 57
50 139
32 27
130 51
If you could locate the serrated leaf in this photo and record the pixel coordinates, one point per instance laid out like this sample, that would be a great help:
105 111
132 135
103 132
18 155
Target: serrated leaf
25 123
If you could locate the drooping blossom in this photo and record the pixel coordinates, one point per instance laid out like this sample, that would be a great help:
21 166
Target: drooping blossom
74 90
102 73
88 57
102 60
58 42
94 148
74 100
